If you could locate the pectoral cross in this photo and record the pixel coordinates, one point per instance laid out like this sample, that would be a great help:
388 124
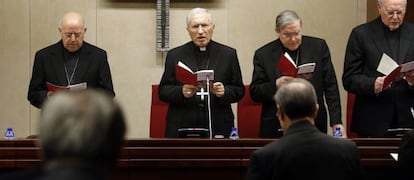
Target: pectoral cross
202 94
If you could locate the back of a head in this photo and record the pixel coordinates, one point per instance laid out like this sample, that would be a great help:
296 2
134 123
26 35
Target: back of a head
86 125
297 98
315 155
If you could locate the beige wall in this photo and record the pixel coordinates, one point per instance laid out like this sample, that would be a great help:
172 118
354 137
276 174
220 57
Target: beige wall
126 29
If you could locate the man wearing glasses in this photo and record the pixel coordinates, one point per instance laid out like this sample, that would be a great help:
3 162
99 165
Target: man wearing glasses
267 78
71 62
189 106
377 108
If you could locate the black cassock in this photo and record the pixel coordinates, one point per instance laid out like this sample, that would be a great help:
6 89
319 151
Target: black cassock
193 112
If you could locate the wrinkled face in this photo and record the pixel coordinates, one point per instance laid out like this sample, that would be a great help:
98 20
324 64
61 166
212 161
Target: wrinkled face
72 33
291 35
392 13
200 29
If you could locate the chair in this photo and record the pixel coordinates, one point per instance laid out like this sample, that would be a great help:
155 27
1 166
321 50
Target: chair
248 116
349 109
158 115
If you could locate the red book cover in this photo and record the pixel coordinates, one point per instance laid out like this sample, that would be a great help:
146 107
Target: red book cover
73 87
389 68
185 75
286 65
395 74
53 87
392 70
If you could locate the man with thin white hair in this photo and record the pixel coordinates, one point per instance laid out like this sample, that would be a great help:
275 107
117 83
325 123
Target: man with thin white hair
71 62
303 152
378 108
189 107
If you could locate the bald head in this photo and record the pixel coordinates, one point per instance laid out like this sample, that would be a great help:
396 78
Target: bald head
71 19
72 29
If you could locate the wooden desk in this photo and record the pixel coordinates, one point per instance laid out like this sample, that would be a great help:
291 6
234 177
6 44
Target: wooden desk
193 158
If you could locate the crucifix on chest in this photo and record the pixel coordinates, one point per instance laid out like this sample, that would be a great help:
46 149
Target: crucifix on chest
202 93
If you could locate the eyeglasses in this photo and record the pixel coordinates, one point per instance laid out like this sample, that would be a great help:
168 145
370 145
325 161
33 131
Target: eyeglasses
396 12
70 34
203 26
288 35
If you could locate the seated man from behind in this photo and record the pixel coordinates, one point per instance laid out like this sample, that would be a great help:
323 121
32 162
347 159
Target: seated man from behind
80 135
303 152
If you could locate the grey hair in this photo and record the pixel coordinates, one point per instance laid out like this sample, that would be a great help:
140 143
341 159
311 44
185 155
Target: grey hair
297 98
196 11
380 2
287 17
87 125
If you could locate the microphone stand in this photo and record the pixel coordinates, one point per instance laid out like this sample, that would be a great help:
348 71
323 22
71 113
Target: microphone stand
210 129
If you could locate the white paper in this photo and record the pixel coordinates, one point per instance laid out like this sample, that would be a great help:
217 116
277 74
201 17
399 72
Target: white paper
202 75
407 67
386 65
306 68
80 86
184 66
394 156
290 59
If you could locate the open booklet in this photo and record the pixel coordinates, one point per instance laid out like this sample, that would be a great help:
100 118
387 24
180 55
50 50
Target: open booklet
392 70
186 76
53 87
287 67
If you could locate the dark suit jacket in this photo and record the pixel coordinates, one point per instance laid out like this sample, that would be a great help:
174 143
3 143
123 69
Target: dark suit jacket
30 173
305 153
73 172
183 112
406 156
263 86
404 100
93 68
372 114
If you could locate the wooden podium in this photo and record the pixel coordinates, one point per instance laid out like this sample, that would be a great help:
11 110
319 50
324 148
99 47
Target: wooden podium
195 158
